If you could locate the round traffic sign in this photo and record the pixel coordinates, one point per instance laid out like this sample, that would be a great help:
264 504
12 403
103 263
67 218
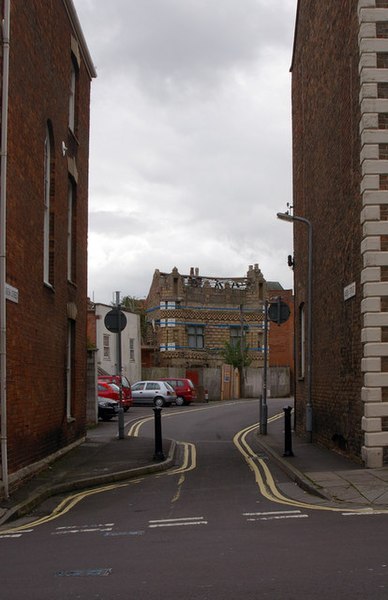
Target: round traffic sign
279 312
115 320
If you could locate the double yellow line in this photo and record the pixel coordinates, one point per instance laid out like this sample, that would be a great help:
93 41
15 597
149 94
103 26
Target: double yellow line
135 428
266 482
189 463
64 507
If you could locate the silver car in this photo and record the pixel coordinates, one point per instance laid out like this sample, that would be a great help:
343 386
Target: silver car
159 393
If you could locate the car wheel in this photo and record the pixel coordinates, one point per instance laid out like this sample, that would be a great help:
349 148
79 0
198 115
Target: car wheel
179 401
106 418
158 401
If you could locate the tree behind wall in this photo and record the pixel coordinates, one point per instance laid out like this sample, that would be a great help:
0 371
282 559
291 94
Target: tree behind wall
237 355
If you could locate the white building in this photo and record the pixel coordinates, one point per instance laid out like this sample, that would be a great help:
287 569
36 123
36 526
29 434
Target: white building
107 344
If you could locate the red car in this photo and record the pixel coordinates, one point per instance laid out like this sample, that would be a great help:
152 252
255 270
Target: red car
107 388
184 389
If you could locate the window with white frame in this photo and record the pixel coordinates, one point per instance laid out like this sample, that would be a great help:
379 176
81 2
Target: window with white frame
132 349
106 346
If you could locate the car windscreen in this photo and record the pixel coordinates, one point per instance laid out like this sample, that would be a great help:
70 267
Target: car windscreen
125 382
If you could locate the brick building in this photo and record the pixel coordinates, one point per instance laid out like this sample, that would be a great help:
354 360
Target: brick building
190 317
281 337
46 96
340 145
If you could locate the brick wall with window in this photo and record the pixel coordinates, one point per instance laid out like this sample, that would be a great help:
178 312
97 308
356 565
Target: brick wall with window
46 402
326 158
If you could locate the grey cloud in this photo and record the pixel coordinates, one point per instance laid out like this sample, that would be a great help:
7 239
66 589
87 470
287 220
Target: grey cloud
113 223
190 138
181 44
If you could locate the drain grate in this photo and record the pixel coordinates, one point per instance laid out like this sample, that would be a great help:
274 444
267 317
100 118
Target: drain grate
84 573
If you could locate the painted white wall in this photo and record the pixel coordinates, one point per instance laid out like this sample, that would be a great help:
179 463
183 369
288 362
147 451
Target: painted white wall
107 355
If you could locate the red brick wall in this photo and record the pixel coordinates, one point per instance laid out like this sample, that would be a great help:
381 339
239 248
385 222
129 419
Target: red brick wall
40 58
326 149
281 337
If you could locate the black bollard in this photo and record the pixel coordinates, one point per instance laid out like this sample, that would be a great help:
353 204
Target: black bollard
158 455
287 432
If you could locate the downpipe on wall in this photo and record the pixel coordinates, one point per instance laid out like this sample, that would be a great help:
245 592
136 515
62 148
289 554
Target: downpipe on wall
5 26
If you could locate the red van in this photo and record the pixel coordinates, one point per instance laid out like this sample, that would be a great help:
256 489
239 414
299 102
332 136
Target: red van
184 389
126 387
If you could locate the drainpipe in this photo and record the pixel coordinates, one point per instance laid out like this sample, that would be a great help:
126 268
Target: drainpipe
3 223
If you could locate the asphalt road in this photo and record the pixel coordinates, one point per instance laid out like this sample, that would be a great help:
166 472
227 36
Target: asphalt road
203 531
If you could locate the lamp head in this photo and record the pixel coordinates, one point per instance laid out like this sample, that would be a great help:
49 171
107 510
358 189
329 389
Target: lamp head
285 217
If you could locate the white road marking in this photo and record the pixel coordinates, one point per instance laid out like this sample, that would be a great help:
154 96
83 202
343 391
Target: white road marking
272 512
102 527
364 514
303 516
275 515
83 526
184 521
15 535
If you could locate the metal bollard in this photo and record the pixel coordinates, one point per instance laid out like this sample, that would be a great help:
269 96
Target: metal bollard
287 432
264 419
158 454
120 418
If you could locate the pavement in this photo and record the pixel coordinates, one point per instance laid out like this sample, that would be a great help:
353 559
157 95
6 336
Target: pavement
103 458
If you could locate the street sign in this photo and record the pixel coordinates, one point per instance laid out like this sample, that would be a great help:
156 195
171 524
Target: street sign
279 312
115 320
11 293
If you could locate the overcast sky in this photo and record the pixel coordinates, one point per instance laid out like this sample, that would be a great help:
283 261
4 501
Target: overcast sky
190 154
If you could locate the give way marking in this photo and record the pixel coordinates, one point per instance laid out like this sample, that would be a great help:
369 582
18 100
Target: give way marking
183 522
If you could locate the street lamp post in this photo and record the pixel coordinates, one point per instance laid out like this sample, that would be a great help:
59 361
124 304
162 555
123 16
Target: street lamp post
309 405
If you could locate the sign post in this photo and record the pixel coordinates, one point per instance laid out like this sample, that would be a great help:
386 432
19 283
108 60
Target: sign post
277 312
115 321
264 406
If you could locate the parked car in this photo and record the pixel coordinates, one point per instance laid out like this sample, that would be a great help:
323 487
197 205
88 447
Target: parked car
184 389
159 393
107 408
109 389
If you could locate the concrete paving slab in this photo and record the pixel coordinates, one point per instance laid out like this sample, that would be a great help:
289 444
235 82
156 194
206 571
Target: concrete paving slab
383 499
369 493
